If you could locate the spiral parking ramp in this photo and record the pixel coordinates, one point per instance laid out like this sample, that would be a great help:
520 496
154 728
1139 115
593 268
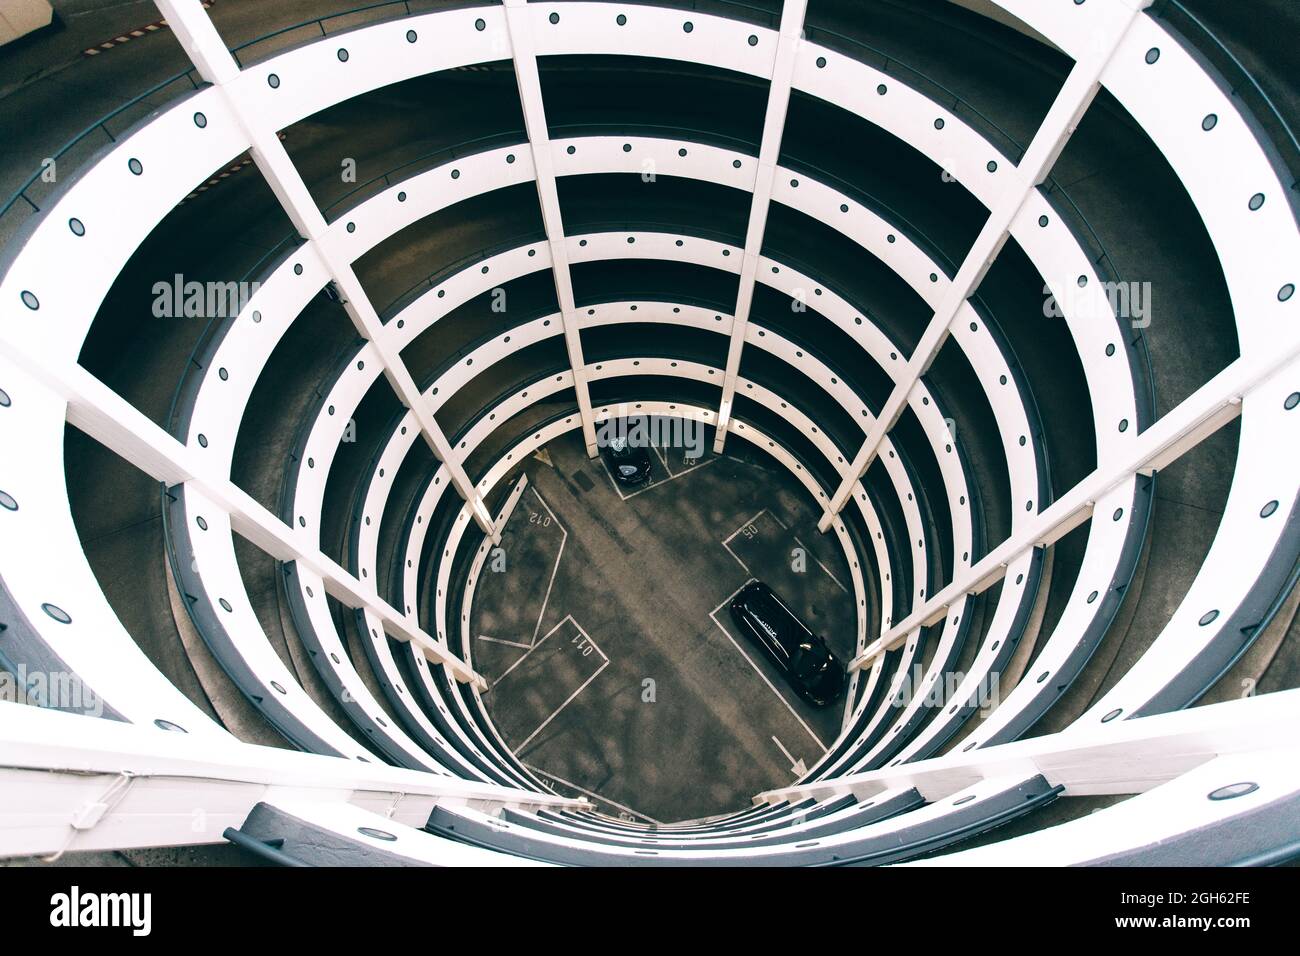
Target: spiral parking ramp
1094 512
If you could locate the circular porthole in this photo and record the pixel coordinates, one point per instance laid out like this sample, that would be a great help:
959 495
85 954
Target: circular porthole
57 613
136 167
1209 617
1153 54
882 89
753 40
279 688
1110 350
8 502
352 227
1285 293
939 124
30 300
688 27
169 726
1111 715
1292 401
1210 121
401 196
273 81
371 832
225 605
412 36
962 800
554 18
1233 790
297 268
78 229
1268 510
992 166
200 120
203 440
621 20
202 522
1256 201
821 63
480 24
1042 221
223 374
257 317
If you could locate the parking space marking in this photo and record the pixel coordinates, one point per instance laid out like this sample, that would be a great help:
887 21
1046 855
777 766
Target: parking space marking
595 796
581 687
744 525
797 766
555 570
829 574
664 458
567 702
772 687
654 484
497 640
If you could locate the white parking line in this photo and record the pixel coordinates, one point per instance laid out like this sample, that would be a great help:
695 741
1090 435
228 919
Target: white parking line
653 484
497 640
555 570
667 467
583 686
562 706
534 647
737 557
797 766
808 550
744 525
771 686
595 796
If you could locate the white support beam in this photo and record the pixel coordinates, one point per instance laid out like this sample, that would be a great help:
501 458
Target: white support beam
769 154
1072 101
82 783
204 45
111 420
524 51
1204 412
1126 757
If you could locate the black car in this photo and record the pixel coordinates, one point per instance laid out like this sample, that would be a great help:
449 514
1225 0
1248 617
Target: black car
628 463
808 664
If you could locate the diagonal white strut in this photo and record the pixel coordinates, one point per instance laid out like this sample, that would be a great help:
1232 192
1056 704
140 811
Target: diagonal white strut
1204 412
523 50
769 152
194 29
111 420
1071 102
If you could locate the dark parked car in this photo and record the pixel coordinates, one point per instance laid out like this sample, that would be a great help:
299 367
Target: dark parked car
807 662
629 464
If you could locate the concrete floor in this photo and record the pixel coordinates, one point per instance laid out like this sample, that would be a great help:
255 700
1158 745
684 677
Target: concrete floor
613 663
